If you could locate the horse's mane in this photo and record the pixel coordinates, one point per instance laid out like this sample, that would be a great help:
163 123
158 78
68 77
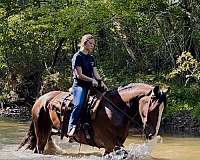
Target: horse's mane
116 90
162 95
133 85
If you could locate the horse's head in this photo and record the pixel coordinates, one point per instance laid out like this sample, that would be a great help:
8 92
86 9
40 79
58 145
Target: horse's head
150 109
149 102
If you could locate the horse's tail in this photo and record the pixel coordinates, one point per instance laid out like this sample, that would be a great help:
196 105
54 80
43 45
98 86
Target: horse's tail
30 138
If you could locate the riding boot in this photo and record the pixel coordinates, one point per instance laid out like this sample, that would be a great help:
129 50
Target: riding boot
72 131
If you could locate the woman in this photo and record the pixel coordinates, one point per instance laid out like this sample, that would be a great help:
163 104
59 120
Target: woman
84 75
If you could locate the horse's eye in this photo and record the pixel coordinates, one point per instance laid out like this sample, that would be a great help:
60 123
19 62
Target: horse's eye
145 102
153 97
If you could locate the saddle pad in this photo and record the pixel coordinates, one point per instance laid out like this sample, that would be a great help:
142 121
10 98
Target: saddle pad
61 100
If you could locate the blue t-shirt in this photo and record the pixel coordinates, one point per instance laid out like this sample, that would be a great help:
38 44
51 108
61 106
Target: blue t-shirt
86 62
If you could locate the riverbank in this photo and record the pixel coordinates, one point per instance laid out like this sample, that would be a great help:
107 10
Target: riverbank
181 123
14 111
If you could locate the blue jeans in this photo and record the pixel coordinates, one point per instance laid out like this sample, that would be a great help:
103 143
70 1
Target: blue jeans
79 96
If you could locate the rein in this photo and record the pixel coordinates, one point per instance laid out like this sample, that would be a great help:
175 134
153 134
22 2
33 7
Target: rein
115 106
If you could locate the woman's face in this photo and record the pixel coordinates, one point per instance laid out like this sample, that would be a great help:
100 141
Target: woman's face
89 45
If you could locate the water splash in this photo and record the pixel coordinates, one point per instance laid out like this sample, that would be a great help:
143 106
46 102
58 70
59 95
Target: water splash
132 152
135 151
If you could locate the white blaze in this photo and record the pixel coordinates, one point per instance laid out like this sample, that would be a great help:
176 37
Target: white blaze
161 107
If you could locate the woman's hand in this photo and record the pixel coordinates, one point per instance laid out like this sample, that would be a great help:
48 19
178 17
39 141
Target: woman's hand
104 86
94 82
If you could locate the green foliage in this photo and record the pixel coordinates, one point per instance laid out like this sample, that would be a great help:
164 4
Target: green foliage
183 98
196 111
187 67
137 41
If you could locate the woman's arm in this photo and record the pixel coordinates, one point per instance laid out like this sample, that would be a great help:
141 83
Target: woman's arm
81 76
96 74
97 77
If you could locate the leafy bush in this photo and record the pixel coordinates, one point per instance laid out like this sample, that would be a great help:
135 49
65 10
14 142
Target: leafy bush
183 98
187 68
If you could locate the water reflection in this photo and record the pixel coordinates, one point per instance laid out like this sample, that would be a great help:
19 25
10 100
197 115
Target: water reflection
12 132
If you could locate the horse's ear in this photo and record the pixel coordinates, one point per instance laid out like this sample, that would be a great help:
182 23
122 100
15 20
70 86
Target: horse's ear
156 90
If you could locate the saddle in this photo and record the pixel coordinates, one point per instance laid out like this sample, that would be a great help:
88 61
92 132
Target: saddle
62 101
62 105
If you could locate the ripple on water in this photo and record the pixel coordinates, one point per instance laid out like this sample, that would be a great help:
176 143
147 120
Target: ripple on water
133 152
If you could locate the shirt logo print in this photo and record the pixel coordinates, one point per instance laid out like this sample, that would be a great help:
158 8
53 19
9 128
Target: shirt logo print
92 64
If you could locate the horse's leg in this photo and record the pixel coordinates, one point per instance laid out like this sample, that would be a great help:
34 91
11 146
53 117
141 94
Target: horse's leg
119 142
42 141
35 115
42 138
37 133
109 146
43 128
112 143
41 120
107 151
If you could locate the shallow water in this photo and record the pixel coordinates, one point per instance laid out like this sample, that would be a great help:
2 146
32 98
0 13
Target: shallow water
168 148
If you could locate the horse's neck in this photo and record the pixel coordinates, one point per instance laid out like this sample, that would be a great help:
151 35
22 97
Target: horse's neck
131 93
115 98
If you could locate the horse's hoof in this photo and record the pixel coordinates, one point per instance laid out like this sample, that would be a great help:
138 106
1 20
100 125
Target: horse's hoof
35 150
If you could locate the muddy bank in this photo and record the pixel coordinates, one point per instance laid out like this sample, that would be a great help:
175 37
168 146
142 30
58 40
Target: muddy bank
181 123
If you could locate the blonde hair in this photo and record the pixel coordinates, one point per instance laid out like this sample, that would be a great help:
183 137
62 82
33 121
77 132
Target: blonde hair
84 39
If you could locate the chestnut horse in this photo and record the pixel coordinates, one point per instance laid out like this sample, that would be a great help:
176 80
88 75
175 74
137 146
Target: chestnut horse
137 103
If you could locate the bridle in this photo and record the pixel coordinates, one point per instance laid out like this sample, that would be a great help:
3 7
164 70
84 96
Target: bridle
114 105
131 118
